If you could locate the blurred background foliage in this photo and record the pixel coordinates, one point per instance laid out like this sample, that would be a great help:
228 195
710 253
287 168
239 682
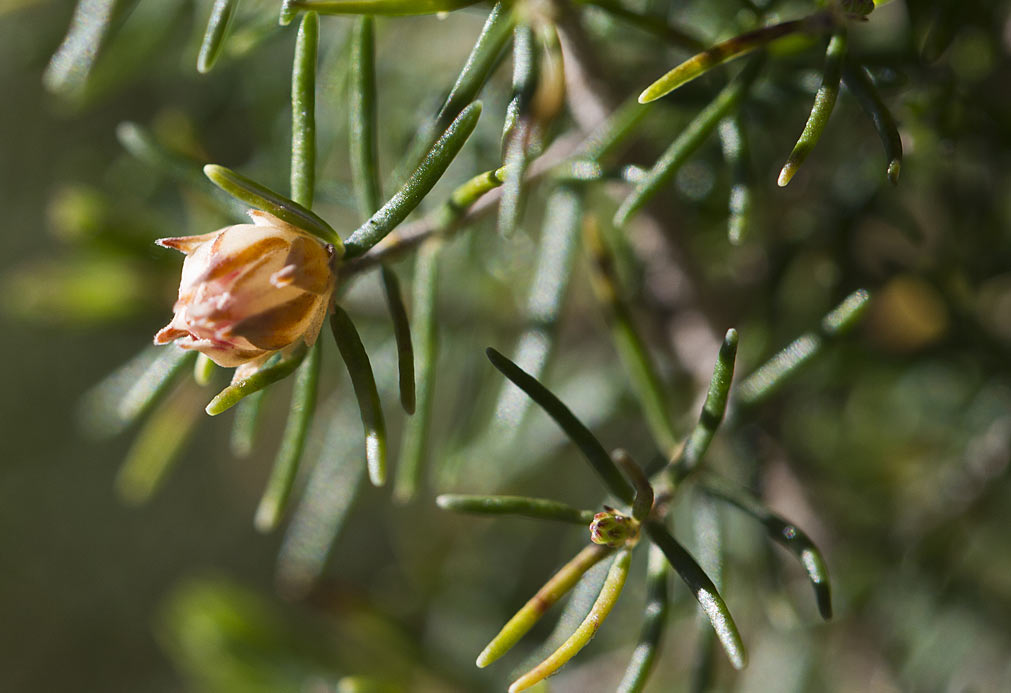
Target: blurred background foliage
891 449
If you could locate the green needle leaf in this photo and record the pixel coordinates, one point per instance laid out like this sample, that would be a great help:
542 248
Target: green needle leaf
267 375
134 389
709 539
704 591
768 377
824 102
414 447
364 383
466 195
214 36
142 144
158 444
303 118
555 262
784 533
653 623
402 334
553 590
263 198
643 502
591 448
394 8
418 185
365 174
699 64
480 63
245 424
203 370
538 508
69 68
632 350
690 139
609 593
362 114
713 409
326 503
516 133
859 82
282 476
734 143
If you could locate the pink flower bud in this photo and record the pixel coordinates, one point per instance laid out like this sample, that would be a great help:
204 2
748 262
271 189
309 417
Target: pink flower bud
250 290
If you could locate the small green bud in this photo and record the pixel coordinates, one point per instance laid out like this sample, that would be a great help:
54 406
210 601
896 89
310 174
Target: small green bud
611 528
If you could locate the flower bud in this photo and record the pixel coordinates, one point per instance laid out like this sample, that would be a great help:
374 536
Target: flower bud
613 529
250 290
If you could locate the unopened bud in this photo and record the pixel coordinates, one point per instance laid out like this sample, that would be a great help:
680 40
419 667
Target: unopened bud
250 290
613 529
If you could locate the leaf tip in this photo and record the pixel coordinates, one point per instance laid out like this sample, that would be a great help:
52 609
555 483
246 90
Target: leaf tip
265 520
377 477
288 12
825 606
483 659
785 175
894 167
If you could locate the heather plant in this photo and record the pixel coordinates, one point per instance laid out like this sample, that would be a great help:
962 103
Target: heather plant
687 228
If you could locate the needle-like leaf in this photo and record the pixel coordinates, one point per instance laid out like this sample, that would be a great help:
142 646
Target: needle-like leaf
539 508
326 503
734 143
768 377
267 375
699 64
483 58
418 185
364 383
783 532
653 623
632 350
214 37
690 139
263 198
158 444
282 477
402 335
824 102
362 115
69 68
378 7
553 590
860 84
703 590
608 597
579 434
203 370
713 409
414 446
246 424
303 117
